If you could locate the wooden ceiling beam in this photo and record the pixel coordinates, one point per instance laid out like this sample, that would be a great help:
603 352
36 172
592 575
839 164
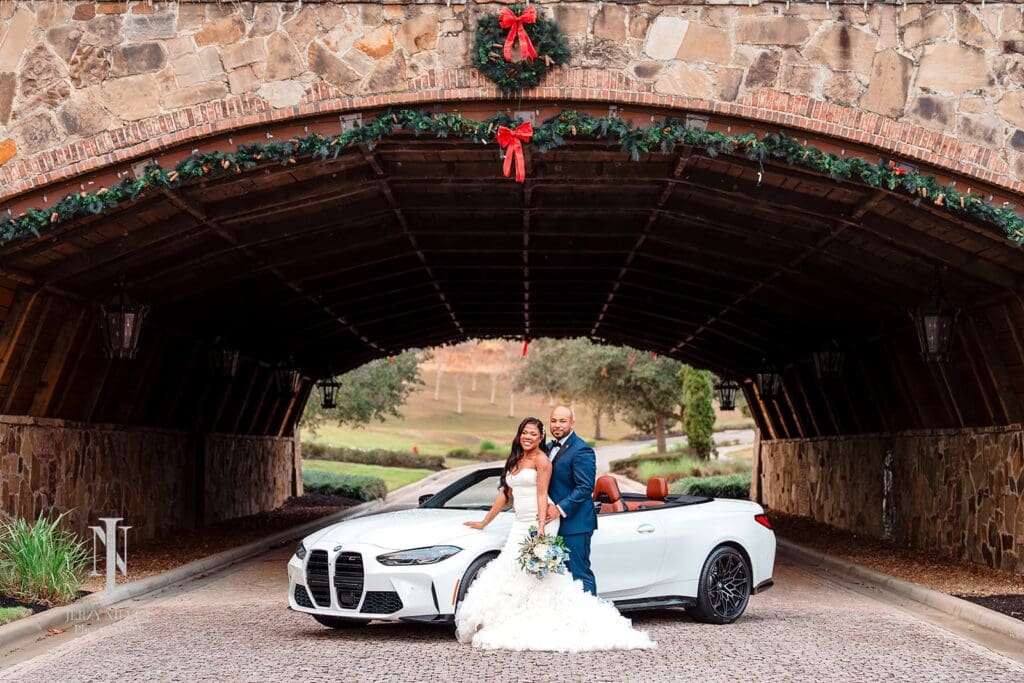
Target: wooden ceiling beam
258 260
385 188
652 218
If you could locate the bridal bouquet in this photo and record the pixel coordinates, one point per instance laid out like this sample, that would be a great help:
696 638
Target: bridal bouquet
542 555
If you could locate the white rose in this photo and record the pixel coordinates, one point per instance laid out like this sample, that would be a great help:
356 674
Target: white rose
540 551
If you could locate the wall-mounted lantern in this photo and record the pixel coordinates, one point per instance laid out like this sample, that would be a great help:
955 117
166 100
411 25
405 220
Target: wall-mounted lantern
726 391
121 319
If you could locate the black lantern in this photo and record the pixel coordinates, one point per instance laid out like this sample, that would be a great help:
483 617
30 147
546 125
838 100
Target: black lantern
726 391
329 393
934 321
768 380
288 378
223 359
121 319
828 362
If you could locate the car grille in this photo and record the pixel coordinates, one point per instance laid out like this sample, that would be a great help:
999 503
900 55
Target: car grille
348 579
381 602
317 578
302 597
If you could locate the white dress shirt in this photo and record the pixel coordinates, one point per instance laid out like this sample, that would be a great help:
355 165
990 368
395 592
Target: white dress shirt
553 454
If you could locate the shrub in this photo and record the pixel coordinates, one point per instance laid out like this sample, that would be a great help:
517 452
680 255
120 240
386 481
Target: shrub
488 446
674 466
722 486
348 485
373 456
699 418
41 562
482 454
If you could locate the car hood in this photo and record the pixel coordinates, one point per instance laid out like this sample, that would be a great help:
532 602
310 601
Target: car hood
416 528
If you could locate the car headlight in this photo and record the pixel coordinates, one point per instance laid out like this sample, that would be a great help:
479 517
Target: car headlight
300 552
429 555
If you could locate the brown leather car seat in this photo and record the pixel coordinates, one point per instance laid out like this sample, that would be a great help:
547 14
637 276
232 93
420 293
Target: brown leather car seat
657 489
607 485
657 492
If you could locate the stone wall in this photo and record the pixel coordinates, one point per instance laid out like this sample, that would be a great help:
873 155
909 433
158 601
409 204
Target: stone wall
146 476
246 475
955 492
940 82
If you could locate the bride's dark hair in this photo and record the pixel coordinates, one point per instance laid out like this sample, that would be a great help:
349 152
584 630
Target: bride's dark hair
517 452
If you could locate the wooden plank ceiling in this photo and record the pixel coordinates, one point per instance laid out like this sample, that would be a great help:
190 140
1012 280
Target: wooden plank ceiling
422 242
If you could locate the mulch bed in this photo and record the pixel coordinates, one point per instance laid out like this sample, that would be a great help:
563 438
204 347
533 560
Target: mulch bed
36 607
1010 605
995 589
180 547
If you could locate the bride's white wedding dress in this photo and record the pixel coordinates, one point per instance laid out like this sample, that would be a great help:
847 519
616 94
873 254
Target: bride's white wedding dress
507 608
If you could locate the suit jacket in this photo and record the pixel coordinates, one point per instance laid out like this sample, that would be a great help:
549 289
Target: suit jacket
573 472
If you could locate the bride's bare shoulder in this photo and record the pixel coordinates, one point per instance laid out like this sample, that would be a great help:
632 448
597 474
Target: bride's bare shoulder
542 464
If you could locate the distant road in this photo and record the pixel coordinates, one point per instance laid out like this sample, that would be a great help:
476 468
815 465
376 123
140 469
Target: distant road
607 454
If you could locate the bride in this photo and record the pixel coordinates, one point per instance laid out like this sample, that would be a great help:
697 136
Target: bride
508 608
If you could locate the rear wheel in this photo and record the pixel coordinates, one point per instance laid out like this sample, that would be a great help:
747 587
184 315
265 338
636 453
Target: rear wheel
339 622
724 587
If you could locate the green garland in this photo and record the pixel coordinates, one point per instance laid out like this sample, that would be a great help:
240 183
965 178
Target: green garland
661 137
513 77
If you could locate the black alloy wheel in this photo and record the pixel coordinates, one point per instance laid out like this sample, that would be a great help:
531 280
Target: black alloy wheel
470 576
725 584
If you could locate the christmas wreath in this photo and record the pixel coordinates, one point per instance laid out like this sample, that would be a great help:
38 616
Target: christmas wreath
541 47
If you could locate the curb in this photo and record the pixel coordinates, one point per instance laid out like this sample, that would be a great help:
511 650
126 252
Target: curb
955 607
66 614
53 618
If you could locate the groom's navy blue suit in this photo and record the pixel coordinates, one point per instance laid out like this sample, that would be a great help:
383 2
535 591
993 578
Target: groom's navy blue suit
573 471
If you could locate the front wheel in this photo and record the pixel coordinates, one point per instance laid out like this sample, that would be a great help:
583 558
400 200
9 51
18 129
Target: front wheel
339 622
724 587
470 576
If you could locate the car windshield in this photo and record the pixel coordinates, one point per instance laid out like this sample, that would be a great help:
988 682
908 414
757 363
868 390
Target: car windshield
475 491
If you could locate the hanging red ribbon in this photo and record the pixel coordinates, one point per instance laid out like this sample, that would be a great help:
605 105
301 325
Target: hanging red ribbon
512 142
507 19
526 345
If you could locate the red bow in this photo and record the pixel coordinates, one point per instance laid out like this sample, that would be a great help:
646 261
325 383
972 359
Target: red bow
512 142
515 28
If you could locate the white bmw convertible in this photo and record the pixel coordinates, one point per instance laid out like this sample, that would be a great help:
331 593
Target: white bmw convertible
655 550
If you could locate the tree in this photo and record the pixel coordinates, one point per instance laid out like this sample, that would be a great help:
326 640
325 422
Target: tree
545 369
594 371
460 381
373 391
649 393
474 362
699 417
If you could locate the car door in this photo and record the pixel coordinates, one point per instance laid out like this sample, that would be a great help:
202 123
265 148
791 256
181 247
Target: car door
627 551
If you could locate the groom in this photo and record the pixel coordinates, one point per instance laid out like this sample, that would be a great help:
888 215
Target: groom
574 467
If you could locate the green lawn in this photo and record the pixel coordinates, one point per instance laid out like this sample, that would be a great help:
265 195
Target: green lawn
394 477
9 614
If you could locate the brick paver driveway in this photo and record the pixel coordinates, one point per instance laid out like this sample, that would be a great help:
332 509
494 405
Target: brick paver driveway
236 627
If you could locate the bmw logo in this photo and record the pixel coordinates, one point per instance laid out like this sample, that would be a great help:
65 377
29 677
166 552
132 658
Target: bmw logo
337 548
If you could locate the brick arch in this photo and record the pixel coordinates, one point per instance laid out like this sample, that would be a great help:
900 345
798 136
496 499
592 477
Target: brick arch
766 106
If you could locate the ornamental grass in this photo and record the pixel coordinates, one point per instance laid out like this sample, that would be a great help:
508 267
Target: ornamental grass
40 562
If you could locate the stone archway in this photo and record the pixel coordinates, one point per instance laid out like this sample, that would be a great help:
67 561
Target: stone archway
834 257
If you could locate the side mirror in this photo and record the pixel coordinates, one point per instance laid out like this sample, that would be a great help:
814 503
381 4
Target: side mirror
425 497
